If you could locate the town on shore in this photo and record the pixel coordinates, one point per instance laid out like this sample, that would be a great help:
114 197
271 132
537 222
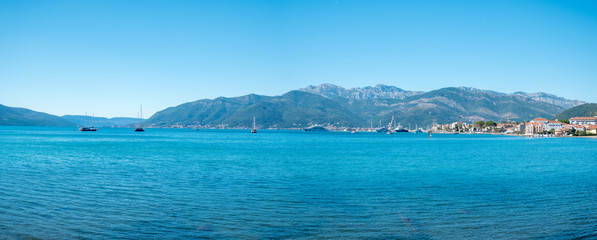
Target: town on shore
538 127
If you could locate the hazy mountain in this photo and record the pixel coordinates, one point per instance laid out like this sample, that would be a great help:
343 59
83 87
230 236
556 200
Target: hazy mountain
100 121
585 110
12 116
300 109
293 109
379 91
390 92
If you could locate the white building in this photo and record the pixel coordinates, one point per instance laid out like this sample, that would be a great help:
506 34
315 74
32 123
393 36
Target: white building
583 120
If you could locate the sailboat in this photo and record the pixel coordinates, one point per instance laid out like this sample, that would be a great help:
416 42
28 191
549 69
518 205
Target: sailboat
254 129
139 128
381 129
88 129
390 126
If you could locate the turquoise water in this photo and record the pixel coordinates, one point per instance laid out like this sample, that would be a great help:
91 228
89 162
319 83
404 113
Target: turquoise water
176 183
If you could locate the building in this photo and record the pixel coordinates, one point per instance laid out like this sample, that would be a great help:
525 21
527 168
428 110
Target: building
533 128
583 120
555 125
539 120
592 129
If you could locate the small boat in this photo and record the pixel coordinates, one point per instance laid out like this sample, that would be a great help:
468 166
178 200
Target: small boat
88 129
383 129
254 129
139 128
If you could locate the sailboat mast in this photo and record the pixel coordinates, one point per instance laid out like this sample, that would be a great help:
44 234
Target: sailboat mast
140 114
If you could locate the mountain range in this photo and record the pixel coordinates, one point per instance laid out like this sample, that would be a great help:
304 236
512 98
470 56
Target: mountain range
12 116
83 120
332 105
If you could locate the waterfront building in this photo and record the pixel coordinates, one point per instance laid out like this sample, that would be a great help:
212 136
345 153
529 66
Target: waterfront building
555 125
592 129
583 120
533 128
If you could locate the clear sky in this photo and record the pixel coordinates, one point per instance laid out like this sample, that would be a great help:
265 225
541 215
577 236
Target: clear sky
108 57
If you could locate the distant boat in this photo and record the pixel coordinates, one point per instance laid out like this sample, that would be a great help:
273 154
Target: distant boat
88 129
315 129
139 128
254 130
390 126
383 129
400 129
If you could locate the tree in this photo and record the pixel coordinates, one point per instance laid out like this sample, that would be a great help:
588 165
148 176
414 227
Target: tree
490 124
564 121
480 123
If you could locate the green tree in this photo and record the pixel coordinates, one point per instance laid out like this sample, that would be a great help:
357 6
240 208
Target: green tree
564 121
480 123
490 124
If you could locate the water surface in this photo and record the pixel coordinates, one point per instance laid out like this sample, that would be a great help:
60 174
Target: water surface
180 183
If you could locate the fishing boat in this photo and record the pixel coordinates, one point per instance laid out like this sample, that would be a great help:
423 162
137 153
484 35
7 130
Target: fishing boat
254 129
88 129
139 128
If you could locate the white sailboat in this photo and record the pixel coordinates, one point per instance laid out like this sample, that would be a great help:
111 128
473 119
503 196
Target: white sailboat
139 128
254 130
390 126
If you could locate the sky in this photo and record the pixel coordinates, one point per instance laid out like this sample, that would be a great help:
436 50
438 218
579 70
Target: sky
109 57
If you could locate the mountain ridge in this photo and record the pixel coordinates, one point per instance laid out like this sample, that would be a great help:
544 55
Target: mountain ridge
331 91
15 116
331 105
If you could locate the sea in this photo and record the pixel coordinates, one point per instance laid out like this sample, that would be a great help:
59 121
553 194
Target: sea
59 183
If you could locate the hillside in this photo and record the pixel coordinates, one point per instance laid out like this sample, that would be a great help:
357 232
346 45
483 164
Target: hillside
449 105
585 110
379 91
12 116
301 109
293 109
100 121
390 92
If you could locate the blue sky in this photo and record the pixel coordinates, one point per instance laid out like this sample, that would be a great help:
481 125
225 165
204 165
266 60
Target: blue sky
107 57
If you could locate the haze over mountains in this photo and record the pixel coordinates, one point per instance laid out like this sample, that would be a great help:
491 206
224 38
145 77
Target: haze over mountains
329 104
